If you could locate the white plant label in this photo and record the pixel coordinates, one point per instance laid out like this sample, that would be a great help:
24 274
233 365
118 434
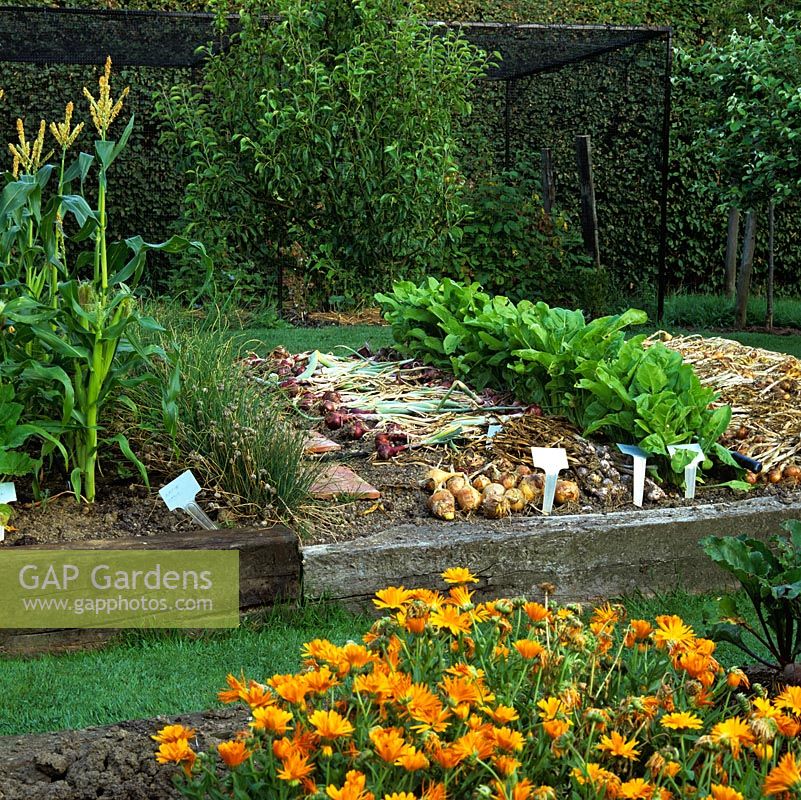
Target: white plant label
181 493
638 479
551 460
691 470
8 494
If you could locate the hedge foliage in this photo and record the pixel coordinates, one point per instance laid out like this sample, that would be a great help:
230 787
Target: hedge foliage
696 228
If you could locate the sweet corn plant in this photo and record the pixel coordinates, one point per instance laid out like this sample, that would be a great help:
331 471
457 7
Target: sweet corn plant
69 293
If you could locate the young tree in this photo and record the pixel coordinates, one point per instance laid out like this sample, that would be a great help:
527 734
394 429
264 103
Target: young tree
753 127
342 118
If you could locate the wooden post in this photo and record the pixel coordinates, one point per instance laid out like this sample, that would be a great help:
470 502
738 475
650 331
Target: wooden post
769 288
746 267
589 218
548 180
732 238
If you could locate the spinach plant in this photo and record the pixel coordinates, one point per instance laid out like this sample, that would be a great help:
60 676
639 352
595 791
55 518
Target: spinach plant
771 577
586 371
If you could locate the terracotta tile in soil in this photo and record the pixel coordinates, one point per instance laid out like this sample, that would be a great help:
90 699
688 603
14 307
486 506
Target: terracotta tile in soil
317 443
338 479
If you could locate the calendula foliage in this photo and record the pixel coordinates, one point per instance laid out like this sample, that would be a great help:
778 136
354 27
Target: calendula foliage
506 699
586 371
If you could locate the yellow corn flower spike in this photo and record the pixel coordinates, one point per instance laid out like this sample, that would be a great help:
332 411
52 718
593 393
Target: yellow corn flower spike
61 130
103 109
28 155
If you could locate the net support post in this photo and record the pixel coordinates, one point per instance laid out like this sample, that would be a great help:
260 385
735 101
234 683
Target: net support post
589 215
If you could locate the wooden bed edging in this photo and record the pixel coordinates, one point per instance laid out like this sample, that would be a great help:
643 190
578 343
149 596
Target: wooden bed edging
269 572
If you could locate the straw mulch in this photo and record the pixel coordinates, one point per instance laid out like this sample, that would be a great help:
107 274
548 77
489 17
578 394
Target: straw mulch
762 388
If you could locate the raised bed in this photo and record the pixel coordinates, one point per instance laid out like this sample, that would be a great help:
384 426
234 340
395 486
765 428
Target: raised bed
587 557
269 570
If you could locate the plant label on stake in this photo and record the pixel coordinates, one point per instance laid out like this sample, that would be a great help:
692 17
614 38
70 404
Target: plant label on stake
550 460
638 480
8 494
181 493
691 470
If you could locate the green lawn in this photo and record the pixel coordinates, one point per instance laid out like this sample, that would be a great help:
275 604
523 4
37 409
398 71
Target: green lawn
328 338
159 672
150 673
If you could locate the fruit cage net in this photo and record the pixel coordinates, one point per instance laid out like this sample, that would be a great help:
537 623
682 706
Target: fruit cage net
547 85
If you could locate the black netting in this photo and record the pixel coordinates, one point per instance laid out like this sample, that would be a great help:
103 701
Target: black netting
549 84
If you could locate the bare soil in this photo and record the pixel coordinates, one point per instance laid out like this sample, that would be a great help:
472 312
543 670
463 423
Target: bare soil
127 509
114 762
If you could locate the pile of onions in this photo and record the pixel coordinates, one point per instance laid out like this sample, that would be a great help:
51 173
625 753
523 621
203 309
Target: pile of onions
493 494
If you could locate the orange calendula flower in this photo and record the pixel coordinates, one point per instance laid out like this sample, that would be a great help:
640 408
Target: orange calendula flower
330 724
475 743
507 739
321 650
400 796
320 680
604 782
459 575
528 648
460 596
672 631
636 789
616 745
784 777
501 715
352 789
682 720
606 614
720 792
388 743
177 752
506 765
292 688
272 719
732 733
435 791
639 630
736 678
392 597
174 733
451 619
549 707
411 760
536 612
233 753
295 767
790 698
354 657
555 728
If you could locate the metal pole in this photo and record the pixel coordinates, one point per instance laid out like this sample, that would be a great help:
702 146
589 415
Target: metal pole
662 257
506 125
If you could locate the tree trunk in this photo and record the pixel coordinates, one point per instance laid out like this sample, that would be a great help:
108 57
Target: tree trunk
731 251
769 289
746 267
